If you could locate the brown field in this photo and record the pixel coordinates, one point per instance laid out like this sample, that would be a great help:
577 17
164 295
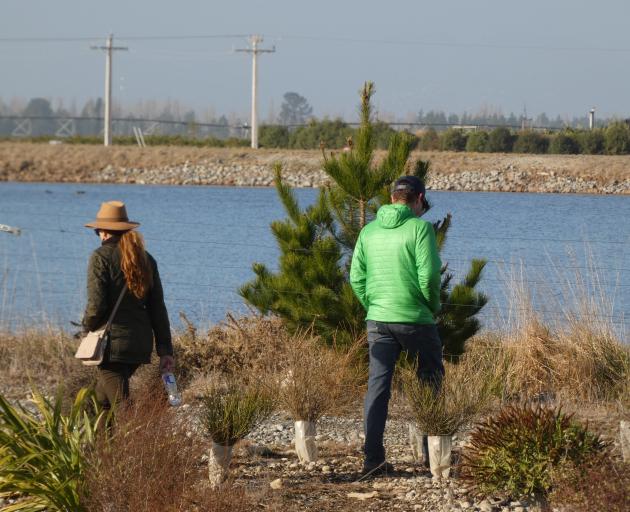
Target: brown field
78 163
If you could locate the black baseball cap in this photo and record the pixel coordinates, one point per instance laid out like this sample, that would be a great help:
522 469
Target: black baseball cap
412 184
409 183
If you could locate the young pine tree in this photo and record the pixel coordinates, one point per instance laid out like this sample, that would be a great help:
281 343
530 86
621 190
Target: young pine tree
311 286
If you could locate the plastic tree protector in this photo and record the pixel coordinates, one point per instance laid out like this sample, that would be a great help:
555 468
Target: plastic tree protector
440 456
305 444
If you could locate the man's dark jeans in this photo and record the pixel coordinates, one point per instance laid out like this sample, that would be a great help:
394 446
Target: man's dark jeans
386 341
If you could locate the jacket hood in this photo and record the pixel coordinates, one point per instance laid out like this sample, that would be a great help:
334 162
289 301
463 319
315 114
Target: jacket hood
391 216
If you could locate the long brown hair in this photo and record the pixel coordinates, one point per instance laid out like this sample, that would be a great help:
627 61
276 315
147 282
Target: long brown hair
135 264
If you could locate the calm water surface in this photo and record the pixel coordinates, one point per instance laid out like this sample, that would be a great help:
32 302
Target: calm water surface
205 240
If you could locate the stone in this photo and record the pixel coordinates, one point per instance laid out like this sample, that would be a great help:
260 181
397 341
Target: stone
362 495
276 484
485 506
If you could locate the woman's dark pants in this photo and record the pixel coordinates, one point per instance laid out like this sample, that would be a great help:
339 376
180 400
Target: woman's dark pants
112 383
386 342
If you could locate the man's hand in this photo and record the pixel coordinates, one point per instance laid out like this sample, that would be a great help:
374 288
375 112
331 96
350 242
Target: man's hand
167 364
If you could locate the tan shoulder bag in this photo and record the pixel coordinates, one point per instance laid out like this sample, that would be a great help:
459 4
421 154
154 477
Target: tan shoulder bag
92 347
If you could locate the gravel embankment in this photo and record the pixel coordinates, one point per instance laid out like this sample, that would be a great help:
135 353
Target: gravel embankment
599 174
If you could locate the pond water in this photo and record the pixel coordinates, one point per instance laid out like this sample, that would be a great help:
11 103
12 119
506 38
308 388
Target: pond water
205 239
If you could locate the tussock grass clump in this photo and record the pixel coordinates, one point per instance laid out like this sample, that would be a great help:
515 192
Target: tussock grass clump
43 452
570 350
592 362
232 411
463 395
319 380
516 450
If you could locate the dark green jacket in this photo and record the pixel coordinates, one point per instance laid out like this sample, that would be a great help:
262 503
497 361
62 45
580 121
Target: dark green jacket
395 270
138 321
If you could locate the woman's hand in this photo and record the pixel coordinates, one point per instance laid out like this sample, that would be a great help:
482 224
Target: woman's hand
167 364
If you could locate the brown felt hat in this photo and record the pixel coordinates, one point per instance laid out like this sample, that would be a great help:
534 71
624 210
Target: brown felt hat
112 215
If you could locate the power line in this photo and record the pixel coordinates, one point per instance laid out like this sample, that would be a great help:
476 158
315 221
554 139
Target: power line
338 39
128 38
450 44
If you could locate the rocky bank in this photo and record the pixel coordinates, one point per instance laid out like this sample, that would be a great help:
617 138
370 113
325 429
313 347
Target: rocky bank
598 174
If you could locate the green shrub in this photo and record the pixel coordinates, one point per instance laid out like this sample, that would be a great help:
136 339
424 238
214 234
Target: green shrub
517 450
231 412
617 139
382 133
500 140
453 139
333 134
43 453
531 142
564 143
477 141
273 136
429 140
591 141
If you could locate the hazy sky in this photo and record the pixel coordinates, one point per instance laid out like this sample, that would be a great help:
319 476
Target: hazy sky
558 56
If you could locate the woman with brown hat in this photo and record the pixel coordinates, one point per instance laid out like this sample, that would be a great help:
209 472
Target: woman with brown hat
122 263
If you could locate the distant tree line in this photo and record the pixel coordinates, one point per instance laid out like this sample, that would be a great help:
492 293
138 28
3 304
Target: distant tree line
612 140
173 119
295 127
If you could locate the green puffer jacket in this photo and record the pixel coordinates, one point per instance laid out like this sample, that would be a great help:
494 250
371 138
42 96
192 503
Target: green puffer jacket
395 269
137 321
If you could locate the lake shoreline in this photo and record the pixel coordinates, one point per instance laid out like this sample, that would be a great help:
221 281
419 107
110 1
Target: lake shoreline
243 167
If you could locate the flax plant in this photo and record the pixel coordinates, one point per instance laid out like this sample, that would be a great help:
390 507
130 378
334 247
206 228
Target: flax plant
43 452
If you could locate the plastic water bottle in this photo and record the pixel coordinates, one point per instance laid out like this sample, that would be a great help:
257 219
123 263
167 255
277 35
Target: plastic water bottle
174 396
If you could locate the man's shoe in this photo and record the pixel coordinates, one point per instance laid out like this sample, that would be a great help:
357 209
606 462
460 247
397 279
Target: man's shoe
382 469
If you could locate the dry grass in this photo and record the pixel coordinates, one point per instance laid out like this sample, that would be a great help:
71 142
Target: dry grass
237 347
318 380
574 354
149 463
43 359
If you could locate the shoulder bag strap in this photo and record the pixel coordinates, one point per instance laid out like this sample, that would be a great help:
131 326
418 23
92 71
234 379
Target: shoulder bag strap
111 317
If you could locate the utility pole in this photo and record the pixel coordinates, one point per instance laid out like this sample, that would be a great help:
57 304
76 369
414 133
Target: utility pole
254 50
108 48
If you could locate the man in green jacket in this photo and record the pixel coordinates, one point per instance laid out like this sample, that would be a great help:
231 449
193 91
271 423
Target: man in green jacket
395 274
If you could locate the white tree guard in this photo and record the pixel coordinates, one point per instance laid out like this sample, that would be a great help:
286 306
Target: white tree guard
305 444
440 455
415 442
219 460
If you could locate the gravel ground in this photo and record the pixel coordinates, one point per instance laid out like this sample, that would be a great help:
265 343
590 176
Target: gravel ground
267 458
